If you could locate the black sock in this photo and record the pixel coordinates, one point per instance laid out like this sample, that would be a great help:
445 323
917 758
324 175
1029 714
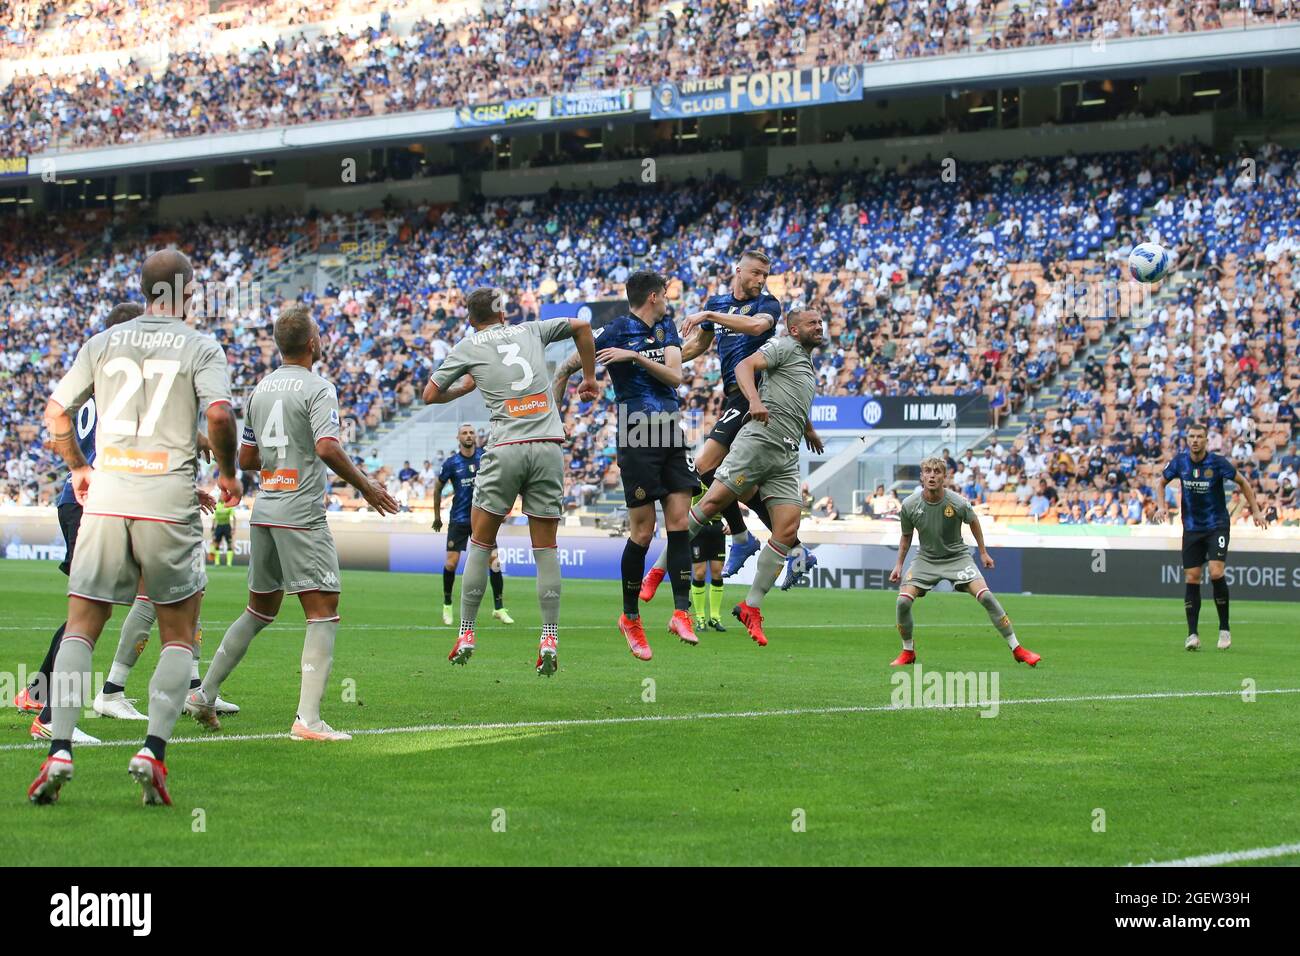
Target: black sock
40 682
448 582
679 568
498 585
46 715
158 746
195 683
1192 604
1220 586
760 511
57 745
111 688
698 582
633 571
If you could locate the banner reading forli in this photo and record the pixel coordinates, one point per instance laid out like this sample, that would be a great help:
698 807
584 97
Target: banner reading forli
750 92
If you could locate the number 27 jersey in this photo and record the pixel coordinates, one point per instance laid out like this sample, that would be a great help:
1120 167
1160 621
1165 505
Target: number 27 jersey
290 410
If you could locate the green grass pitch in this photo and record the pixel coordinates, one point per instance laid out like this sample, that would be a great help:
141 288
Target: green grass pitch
584 769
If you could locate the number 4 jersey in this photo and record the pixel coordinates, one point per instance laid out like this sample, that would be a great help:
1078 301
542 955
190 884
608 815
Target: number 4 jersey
290 410
150 378
508 363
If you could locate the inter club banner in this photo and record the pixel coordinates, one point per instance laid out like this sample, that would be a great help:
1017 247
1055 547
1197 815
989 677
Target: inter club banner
502 114
750 92
935 411
591 103
13 165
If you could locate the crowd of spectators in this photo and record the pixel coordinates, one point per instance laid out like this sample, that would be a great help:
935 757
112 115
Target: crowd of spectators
929 288
407 57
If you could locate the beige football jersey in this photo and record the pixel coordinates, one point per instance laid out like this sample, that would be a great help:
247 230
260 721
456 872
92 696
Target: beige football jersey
508 363
151 378
289 411
938 524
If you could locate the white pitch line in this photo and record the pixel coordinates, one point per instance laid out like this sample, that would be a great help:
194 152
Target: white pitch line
1233 856
673 718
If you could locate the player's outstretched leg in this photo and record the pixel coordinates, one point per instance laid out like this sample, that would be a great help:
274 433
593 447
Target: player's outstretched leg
69 686
1002 622
35 697
111 701
770 561
903 612
1220 586
1192 606
678 548
547 561
473 584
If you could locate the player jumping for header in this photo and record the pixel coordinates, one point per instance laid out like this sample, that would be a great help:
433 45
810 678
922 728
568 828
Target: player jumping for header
1201 474
507 363
744 318
938 514
763 463
459 469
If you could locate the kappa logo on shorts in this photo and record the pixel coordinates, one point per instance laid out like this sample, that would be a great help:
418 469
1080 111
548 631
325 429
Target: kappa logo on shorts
282 479
330 578
132 462
527 406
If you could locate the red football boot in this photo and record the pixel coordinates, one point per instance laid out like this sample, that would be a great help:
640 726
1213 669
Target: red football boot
55 772
907 657
634 631
680 624
650 584
25 703
1026 656
460 654
753 621
151 774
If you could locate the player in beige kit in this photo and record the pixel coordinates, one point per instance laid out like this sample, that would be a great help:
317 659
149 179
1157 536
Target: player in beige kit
150 377
507 363
291 433
937 515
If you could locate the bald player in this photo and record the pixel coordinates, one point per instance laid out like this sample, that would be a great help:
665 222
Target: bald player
291 433
936 514
507 363
150 377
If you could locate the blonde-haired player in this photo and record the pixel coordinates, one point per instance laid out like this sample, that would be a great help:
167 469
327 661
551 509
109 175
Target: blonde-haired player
937 514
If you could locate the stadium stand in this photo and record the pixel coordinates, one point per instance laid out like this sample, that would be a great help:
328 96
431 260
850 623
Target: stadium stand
421 60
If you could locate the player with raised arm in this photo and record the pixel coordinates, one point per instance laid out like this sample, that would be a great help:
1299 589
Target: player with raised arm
150 377
643 356
459 469
763 463
1201 474
507 363
291 433
743 318
937 515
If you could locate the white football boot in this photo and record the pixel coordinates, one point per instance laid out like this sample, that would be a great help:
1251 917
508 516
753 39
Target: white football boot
118 706
1225 640
1193 643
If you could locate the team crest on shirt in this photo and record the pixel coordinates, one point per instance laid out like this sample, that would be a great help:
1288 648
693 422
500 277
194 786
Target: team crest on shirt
659 334
639 494
948 512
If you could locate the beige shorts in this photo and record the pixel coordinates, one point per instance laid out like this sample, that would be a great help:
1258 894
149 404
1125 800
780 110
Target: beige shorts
285 559
532 469
925 573
771 466
113 554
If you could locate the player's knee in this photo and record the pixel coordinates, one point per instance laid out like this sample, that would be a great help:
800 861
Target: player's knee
904 604
1193 576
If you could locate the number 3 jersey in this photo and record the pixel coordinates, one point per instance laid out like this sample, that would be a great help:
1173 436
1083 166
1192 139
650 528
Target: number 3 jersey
508 363
150 378
289 411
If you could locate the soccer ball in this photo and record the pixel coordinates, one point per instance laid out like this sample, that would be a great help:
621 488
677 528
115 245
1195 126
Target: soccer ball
1149 262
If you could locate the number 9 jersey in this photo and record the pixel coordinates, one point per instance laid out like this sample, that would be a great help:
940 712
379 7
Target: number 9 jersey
288 413
150 378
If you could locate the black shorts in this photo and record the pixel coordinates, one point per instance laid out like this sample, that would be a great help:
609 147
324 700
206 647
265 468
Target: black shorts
652 474
223 532
735 412
1202 546
69 524
709 544
457 536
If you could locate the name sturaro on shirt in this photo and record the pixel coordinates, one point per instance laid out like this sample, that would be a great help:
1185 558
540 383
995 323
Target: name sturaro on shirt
77 909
